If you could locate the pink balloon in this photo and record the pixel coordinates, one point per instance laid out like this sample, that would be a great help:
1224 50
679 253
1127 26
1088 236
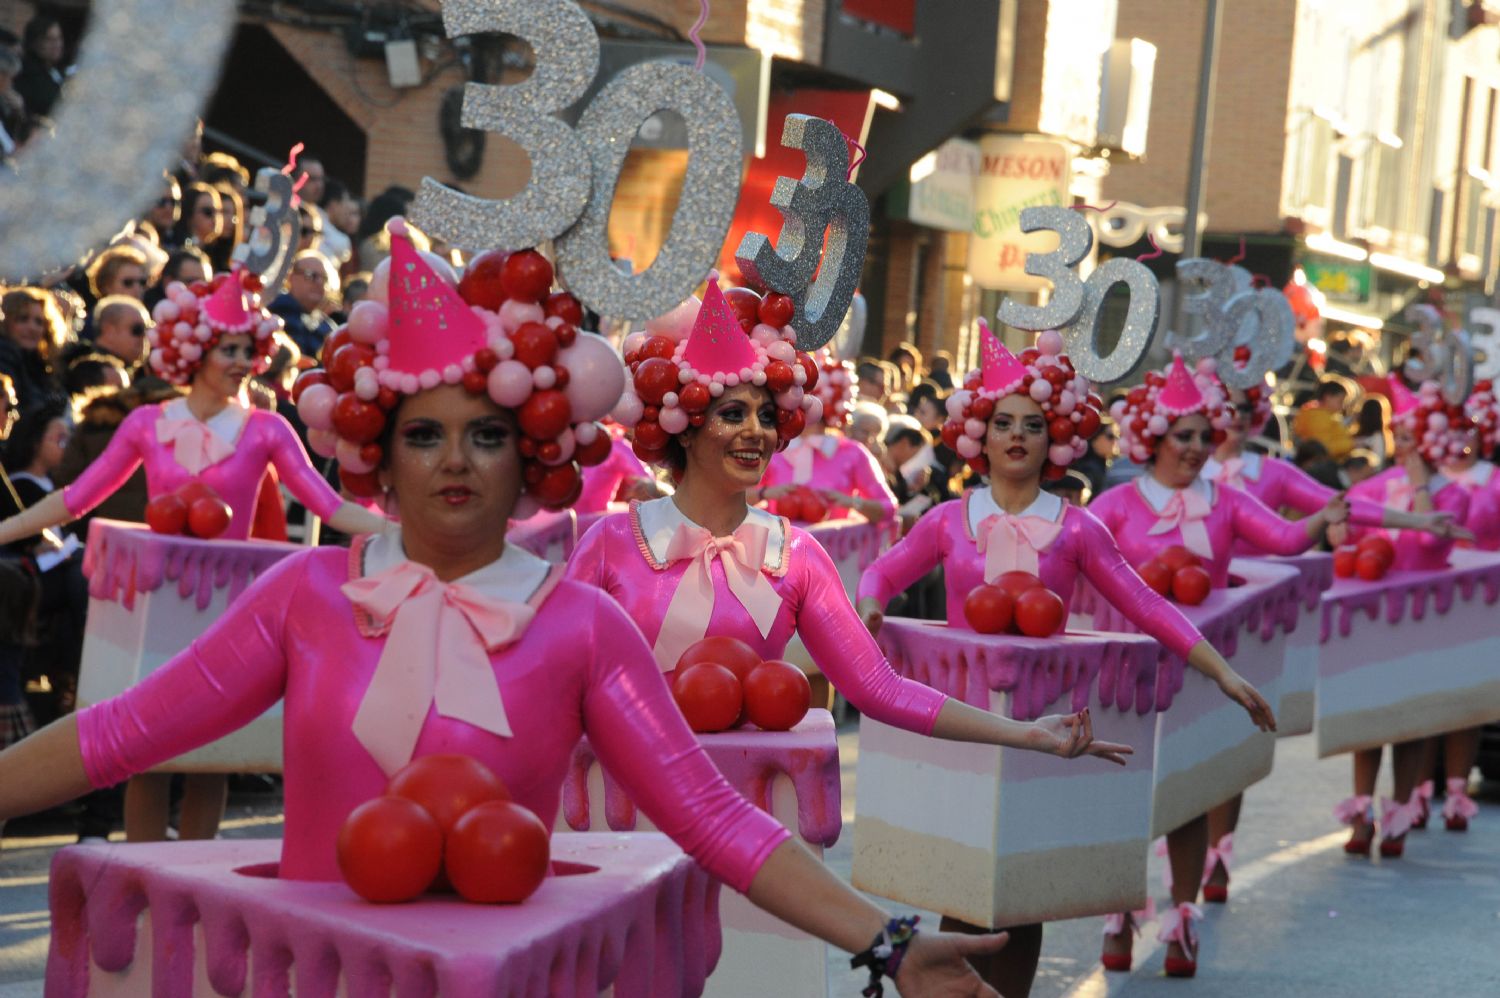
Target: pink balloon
596 376
514 314
510 383
673 420
628 410
677 323
1060 454
348 454
968 448
315 406
324 443
367 321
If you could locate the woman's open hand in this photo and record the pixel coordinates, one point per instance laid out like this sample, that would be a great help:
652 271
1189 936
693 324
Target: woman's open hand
1241 692
1072 735
937 965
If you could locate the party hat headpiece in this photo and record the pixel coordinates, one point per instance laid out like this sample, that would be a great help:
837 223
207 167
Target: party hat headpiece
717 344
431 327
1443 431
229 309
1001 372
190 320
1147 412
1181 394
1403 399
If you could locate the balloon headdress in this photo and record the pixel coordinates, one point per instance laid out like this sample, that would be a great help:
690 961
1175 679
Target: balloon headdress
1046 375
1443 431
526 354
837 388
191 320
1148 411
688 357
1483 410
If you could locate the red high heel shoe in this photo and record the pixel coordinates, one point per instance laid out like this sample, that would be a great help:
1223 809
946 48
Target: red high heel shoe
1458 806
1421 799
1218 855
1121 924
1177 927
1357 812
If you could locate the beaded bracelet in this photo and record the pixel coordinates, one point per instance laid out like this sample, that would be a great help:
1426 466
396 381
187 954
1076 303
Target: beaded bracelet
886 952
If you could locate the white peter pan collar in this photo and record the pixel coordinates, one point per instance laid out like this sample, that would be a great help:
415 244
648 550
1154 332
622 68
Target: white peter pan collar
1158 495
657 520
1251 463
982 506
825 443
227 424
514 577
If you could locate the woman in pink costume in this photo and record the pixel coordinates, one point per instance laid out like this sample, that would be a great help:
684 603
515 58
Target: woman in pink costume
1475 473
1171 423
841 471
517 663
1018 422
209 338
1430 432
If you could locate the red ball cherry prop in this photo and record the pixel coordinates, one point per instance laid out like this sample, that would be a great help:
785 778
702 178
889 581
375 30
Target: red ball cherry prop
1191 585
208 517
1039 613
777 696
481 284
167 514
989 609
526 276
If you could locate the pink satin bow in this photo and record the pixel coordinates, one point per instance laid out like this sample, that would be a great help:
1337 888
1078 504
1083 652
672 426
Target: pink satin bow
1457 803
194 445
1396 819
437 652
1186 511
1177 926
1219 855
1232 473
1350 809
742 554
1014 543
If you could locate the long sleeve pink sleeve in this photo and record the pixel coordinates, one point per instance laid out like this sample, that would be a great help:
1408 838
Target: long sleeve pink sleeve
1433 548
1256 524
297 471
1306 494
842 647
643 741
870 483
916 554
1105 567
111 469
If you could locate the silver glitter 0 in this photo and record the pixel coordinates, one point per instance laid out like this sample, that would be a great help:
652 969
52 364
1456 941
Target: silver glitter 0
1439 354
1075 238
822 201
274 227
1261 319
709 189
1082 337
144 71
567 59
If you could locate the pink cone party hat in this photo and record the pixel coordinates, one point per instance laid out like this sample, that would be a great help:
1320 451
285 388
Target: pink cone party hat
431 327
229 309
1001 370
717 344
1181 393
1402 398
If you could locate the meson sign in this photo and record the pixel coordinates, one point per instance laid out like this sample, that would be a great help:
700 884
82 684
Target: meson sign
1014 174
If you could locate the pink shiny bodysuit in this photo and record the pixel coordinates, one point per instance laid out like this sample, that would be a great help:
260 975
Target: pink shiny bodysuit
602 481
1416 550
1084 546
617 557
265 439
1483 486
580 667
1235 516
851 470
1280 484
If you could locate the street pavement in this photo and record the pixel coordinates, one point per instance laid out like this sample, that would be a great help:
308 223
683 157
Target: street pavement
1303 919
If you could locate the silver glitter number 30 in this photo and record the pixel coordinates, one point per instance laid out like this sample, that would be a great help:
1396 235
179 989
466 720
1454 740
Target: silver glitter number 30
1234 314
274 231
822 202
1075 304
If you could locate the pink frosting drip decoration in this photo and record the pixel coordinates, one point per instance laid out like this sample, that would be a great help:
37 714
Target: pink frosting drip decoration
122 560
850 538
1001 370
1403 400
750 760
717 344
1406 594
628 911
1180 394
229 309
1034 671
430 326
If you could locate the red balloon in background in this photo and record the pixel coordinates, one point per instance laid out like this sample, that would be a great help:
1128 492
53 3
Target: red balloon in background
745 304
810 367
1370 566
777 696
1039 613
1088 423
650 436
790 506
366 485
658 346
1191 584
709 696
814 509
167 514
790 423
558 485
208 517
481 284
776 309
564 306
595 452
654 378
497 853
1017 583
447 785
732 653
779 376
1177 556
1343 561
339 338
1061 429
951 431
191 491
989 609
315 376
357 420
535 343
1157 576
526 276
389 849
545 414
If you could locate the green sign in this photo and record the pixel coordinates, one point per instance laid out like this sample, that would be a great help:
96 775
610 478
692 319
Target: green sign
1340 280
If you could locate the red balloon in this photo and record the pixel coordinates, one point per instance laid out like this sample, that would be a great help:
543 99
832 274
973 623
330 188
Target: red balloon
596 452
475 383
790 423
346 360
497 853
708 695
389 849
1061 429
356 420
191 491
745 304
1157 576
526 276
776 309
694 398
790 506
779 376
732 653
535 344
777 696
657 346
208 517
167 514
651 436
982 409
558 486
387 399
989 609
950 433
340 337
1039 613
1191 585
810 366
1370 566
545 414
1017 583
316 376
366 485
446 786
1176 557
564 306
1088 423
1343 561
654 378
481 283
814 509
1381 545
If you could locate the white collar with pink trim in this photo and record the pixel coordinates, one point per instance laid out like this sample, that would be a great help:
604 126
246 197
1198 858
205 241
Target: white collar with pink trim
1158 495
982 505
656 521
825 443
227 424
514 577
1250 467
